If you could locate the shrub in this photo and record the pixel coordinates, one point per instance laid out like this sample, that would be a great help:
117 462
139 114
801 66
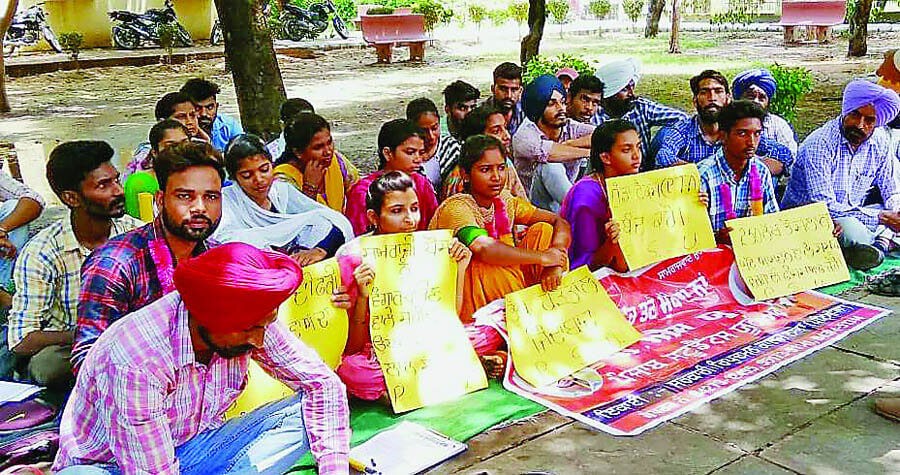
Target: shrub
498 17
539 65
518 11
380 11
600 8
346 9
477 14
434 12
72 42
793 84
634 9
167 34
559 10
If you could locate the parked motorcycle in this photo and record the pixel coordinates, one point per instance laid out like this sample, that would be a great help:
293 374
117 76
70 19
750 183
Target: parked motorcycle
27 28
135 29
299 24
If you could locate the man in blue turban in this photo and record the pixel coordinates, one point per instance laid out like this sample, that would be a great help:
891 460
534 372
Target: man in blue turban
840 162
549 147
759 86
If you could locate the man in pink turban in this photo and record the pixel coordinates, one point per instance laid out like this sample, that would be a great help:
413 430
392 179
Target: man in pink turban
152 391
839 164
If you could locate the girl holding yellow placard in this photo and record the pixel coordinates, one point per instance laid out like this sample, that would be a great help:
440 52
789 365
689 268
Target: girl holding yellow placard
393 207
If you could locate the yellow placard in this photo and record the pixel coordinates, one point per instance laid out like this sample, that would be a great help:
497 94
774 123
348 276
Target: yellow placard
787 252
310 315
554 334
418 339
659 214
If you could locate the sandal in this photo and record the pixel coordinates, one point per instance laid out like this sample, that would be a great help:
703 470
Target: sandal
887 285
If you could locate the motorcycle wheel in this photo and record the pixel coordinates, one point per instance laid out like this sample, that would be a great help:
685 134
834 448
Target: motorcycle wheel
124 38
51 39
183 38
215 38
340 27
294 29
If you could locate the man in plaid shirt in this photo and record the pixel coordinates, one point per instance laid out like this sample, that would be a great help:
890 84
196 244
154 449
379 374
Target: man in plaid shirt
152 393
841 161
46 274
135 269
620 102
695 138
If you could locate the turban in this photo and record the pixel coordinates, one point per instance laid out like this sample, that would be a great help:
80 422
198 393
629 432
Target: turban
760 78
235 286
617 74
538 93
567 72
860 93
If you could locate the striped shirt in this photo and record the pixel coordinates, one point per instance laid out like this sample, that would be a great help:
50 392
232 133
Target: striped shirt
715 170
828 170
645 115
141 393
47 277
448 154
684 142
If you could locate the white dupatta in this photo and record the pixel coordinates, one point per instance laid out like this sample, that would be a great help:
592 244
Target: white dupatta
299 219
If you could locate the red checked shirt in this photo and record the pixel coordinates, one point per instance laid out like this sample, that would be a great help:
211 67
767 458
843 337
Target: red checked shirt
141 393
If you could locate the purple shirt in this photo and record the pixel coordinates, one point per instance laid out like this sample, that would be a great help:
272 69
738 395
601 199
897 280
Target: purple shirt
586 208
141 393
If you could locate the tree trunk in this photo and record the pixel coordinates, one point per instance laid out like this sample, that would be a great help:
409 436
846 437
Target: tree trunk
674 40
654 12
859 28
249 52
5 21
531 44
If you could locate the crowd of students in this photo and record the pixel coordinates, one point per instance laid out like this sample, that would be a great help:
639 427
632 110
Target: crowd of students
153 324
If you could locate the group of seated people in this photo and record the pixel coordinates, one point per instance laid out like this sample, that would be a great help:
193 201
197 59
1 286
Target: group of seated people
519 179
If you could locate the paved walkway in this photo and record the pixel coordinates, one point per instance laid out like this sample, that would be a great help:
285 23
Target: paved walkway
811 417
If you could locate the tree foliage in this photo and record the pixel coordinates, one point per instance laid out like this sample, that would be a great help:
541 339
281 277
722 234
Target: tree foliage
434 12
540 65
559 10
793 84
743 12
600 9
633 9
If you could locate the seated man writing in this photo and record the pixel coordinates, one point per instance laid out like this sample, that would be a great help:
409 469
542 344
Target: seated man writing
841 161
135 268
153 390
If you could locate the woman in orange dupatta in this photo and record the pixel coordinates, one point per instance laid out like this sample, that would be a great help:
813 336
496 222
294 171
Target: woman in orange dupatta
484 219
312 165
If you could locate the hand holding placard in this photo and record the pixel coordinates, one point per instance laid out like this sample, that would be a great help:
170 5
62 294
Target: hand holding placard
659 214
787 252
553 334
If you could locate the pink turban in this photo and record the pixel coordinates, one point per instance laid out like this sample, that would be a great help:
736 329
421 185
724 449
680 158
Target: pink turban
861 93
235 286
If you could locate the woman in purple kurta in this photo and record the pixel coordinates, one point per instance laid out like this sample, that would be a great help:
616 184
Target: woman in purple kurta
615 151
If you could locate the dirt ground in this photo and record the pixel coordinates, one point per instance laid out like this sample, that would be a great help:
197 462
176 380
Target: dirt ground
356 95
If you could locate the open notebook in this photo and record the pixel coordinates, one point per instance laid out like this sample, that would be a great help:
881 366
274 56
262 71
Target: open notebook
406 449
16 392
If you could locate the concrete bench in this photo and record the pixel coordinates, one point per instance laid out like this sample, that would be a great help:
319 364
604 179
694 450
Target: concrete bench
816 15
386 31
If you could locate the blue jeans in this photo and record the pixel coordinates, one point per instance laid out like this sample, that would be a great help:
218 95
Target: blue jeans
18 236
854 232
269 440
